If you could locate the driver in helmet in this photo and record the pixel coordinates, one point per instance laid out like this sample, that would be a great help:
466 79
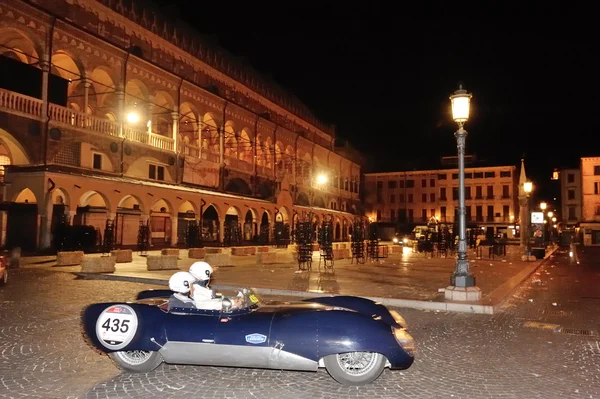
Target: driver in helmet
204 297
181 283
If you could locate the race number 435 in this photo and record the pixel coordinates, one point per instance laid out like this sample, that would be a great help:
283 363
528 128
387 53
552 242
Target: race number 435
116 326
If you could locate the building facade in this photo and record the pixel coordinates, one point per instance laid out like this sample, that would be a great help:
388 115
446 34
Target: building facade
590 200
118 115
414 197
570 196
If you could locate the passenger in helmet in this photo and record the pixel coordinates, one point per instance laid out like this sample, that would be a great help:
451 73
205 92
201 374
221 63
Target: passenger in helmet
204 297
182 284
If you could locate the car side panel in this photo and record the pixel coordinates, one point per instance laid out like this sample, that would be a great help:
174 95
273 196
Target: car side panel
198 328
314 335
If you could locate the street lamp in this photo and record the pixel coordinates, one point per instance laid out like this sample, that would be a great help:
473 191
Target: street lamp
543 206
527 188
550 214
321 179
133 117
462 281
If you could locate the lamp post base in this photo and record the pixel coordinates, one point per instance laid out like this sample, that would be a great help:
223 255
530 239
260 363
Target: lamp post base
462 280
462 294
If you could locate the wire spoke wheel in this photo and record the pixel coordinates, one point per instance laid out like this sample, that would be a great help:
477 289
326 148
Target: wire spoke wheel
134 358
357 363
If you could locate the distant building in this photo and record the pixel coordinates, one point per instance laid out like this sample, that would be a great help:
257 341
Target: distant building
590 198
570 196
414 197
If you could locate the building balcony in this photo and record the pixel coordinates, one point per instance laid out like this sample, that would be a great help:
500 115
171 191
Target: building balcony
59 116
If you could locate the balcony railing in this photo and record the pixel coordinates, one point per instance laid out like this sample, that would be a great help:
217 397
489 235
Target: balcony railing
238 164
20 103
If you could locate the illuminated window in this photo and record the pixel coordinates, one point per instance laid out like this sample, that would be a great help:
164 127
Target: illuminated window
4 160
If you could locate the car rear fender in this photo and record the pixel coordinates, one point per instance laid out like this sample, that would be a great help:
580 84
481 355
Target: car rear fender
148 333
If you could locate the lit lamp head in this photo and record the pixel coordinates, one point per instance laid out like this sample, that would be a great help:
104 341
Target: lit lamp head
550 214
528 187
133 117
321 179
461 104
554 219
543 206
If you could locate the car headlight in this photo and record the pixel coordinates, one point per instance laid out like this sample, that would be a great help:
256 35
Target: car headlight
395 240
405 340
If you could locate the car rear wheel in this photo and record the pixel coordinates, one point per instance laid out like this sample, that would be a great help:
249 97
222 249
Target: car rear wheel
137 361
355 368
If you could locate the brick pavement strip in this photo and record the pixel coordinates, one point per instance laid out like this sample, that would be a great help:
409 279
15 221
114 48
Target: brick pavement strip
42 354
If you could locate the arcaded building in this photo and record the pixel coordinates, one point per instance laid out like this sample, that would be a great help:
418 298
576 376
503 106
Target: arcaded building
108 112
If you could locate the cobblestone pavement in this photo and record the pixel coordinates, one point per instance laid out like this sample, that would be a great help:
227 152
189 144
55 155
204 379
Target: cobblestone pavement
406 276
42 354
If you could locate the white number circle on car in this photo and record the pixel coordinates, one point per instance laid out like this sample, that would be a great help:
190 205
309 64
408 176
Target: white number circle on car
116 326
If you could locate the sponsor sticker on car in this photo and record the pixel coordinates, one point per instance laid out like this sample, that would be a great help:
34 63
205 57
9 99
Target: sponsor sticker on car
256 338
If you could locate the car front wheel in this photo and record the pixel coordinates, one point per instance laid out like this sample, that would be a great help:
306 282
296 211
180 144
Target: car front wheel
137 361
355 368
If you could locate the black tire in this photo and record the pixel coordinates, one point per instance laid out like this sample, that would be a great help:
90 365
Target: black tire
4 278
372 371
137 361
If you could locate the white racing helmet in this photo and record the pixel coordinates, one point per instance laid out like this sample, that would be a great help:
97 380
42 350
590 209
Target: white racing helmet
181 282
201 271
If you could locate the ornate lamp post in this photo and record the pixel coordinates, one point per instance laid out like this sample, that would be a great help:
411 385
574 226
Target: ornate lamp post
528 188
462 281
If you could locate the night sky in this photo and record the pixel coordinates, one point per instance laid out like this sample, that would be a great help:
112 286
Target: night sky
383 75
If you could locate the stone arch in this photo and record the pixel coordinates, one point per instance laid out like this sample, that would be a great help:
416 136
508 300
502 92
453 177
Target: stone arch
268 153
279 156
245 146
211 223
239 186
289 159
162 109
188 122
60 196
136 92
210 134
283 215
188 207
131 202
19 45
68 67
319 202
103 83
94 199
231 142
250 224
25 196
14 149
302 199
161 205
259 150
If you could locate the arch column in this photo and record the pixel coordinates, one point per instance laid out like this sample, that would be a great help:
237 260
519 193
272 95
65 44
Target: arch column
145 217
45 222
120 93
86 94
174 225
175 117
150 110
222 229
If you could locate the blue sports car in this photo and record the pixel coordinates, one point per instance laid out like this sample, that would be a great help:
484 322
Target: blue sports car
353 338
